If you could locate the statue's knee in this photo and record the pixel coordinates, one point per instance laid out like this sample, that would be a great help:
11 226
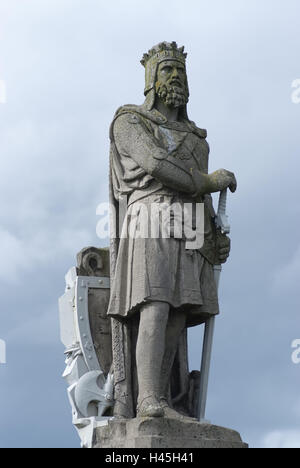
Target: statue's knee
155 314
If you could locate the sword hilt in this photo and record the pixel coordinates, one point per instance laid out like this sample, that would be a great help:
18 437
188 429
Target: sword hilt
222 219
222 201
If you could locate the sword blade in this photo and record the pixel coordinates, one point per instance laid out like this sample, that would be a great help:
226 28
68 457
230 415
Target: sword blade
222 224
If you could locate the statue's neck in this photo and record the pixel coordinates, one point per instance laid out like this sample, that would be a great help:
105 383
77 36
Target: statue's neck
171 113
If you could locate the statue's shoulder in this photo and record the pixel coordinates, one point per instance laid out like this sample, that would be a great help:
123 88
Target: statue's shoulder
201 132
126 109
134 114
141 111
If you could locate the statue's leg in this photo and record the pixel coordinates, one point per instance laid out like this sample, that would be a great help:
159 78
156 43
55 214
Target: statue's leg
176 324
150 350
122 362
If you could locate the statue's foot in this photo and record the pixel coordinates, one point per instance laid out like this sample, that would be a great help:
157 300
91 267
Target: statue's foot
173 414
149 407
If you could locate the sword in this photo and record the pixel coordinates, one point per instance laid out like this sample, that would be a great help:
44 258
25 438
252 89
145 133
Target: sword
223 225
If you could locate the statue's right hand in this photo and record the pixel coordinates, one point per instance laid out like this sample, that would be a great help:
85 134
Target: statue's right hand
222 179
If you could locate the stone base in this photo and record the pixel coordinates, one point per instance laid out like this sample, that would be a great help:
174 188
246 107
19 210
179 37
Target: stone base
163 433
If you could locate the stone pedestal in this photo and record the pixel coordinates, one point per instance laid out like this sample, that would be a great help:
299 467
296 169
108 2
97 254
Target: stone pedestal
160 433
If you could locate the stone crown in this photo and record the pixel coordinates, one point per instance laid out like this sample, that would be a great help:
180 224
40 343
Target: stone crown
164 51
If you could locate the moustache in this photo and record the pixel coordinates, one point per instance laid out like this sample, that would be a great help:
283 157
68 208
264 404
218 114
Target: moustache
176 82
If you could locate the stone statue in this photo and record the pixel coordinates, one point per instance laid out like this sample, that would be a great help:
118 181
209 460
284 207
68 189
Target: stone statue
159 287
126 310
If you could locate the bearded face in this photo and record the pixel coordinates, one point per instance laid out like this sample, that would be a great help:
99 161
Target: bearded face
171 85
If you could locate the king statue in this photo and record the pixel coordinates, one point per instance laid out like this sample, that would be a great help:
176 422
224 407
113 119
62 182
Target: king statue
159 287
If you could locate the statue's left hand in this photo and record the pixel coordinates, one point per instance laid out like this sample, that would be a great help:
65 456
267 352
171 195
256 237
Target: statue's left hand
222 248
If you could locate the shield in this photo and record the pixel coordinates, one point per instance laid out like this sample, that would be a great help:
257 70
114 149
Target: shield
86 334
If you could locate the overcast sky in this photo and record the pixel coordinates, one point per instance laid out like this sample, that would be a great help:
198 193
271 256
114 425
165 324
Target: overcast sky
67 65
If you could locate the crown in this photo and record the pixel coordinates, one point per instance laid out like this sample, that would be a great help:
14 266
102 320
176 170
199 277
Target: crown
164 51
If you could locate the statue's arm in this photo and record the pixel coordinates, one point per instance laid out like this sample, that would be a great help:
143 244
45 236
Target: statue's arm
133 140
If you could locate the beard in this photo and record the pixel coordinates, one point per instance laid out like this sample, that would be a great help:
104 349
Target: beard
172 95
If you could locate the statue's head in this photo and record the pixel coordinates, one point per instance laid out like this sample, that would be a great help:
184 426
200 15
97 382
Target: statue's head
165 75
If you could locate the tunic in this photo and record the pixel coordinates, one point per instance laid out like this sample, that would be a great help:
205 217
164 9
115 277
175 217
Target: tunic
153 161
